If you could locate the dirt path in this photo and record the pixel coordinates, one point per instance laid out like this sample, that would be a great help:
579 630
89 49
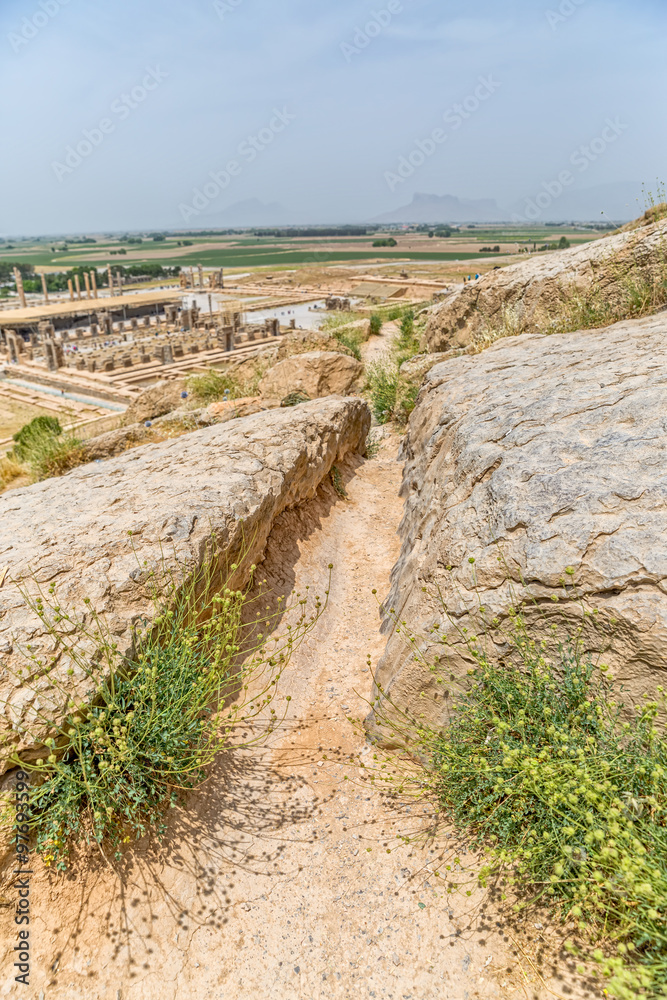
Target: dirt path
278 880
377 345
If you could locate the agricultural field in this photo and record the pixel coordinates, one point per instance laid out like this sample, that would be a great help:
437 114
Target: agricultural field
246 249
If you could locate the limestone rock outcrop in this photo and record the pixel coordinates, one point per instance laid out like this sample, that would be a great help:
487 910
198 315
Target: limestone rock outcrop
230 480
158 399
550 453
316 373
305 341
523 297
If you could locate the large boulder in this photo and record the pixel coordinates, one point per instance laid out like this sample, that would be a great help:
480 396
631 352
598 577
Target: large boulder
305 341
158 399
524 297
99 531
316 373
550 453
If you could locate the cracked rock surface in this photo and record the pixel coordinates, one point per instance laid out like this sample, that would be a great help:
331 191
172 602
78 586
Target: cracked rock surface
548 453
230 481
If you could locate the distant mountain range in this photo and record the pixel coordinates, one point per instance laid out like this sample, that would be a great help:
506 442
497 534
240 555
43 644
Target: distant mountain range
613 202
432 208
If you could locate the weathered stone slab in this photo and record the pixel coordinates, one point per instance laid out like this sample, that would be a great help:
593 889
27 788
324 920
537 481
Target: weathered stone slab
232 479
553 451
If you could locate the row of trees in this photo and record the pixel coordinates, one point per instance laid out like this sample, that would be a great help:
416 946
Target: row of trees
58 281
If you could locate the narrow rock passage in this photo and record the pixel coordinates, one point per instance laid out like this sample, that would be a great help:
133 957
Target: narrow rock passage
277 880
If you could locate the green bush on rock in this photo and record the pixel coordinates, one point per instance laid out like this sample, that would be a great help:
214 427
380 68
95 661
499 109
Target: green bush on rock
564 786
159 716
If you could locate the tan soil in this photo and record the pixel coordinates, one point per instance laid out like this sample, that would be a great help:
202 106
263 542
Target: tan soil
377 345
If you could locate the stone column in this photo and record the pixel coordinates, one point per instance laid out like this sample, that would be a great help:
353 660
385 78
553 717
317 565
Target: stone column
93 279
119 283
105 322
201 275
18 277
51 355
77 284
71 289
86 278
44 288
110 280
45 330
13 346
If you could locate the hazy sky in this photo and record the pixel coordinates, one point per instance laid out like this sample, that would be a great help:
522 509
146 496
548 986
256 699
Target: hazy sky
315 102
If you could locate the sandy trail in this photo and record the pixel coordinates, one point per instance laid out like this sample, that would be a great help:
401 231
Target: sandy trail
377 345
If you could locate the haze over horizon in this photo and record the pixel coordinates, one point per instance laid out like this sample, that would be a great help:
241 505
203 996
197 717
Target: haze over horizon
163 115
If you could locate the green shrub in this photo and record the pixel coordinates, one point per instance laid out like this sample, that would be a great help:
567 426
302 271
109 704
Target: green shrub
375 325
407 400
382 381
562 784
54 456
37 428
407 343
212 385
391 396
46 450
159 716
